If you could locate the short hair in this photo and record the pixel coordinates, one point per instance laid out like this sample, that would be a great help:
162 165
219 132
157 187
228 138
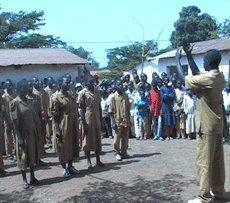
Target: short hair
21 84
214 57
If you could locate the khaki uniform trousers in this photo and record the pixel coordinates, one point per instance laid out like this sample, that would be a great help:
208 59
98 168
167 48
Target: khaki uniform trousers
49 130
9 138
1 146
121 136
210 166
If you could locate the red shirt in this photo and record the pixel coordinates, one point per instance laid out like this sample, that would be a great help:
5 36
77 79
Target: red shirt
155 102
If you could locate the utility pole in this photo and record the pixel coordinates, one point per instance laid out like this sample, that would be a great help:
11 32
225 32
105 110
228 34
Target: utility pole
143 45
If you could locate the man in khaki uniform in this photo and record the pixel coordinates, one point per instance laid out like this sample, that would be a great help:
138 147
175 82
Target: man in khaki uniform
89 100
120 117
2 172
49 90
209 114
22 115
7 97
63 109
44 103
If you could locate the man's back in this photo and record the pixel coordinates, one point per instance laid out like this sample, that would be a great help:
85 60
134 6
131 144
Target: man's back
209 88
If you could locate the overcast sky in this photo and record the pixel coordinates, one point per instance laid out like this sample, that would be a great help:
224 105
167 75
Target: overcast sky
93 23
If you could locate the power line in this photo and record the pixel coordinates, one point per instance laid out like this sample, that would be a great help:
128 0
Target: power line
107 42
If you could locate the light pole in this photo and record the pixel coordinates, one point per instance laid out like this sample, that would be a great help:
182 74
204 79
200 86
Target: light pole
143 45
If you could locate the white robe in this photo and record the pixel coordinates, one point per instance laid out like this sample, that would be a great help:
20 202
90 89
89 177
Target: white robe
190 111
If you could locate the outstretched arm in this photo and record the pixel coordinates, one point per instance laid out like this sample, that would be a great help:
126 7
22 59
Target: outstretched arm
188 50
178 64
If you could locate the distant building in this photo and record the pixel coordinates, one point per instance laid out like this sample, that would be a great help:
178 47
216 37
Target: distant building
16 64
167 62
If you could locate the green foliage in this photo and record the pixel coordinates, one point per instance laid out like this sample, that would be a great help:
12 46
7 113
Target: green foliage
35 41
225 28
81 52
15 31
193 27
12 24
128 57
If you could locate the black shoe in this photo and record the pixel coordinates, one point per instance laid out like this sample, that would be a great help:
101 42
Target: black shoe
34 181
26 185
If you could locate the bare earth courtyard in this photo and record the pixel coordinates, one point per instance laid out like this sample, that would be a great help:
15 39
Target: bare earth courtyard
157 171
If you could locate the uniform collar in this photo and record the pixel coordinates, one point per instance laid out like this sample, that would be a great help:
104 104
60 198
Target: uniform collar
21 101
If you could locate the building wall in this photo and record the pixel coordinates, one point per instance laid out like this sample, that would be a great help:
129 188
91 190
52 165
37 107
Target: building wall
16 73
148 69
165 63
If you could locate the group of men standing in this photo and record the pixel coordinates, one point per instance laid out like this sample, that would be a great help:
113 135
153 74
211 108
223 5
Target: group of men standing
36 116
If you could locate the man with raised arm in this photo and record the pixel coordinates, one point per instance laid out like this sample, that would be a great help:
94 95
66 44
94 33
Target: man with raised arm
210 155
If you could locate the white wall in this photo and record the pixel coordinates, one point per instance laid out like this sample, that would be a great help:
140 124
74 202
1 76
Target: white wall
148 68
224 65
40 71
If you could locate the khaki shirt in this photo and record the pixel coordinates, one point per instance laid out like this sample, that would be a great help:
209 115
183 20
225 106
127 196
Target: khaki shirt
6 99
120 107
49 94
44 102
209 112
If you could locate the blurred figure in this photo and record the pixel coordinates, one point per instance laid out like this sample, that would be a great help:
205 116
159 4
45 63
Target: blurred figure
143 114
168 95
7 97
22 115
106 123
63 109
119 110
156 105
190 113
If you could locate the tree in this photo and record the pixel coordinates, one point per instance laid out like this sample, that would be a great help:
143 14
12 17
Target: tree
128 57
81 52
193 27
225 28
15 31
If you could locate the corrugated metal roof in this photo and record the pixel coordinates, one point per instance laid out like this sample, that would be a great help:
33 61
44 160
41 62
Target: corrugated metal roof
200 48
9 57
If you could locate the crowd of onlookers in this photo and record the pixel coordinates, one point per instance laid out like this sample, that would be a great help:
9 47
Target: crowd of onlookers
164 109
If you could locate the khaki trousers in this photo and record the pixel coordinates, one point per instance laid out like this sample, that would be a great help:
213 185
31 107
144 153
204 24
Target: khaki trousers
210 166
1 146
49 131
9 139
121 136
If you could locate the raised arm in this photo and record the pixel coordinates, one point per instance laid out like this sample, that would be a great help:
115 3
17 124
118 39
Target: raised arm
188 50
178 64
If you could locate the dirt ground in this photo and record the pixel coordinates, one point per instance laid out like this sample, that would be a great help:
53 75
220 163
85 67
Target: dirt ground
157 171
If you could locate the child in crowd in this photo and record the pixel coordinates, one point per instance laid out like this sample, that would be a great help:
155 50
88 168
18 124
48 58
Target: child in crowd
106 125
168 95
179 110
156 105
131 92
143 114
190 111
119 110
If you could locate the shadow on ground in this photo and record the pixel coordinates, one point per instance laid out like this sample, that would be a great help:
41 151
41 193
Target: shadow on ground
168 189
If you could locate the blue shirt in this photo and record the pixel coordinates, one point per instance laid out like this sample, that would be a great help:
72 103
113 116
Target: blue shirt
143 108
